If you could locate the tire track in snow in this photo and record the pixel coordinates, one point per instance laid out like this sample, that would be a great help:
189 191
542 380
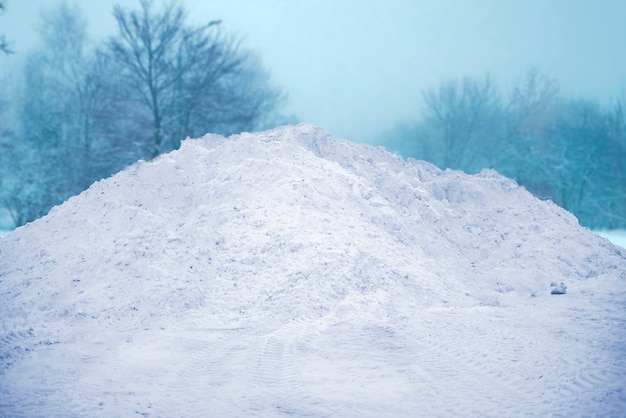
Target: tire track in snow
594 365
468 369
202 372
277 373
20 349
33 385
206 368
517 363
336 373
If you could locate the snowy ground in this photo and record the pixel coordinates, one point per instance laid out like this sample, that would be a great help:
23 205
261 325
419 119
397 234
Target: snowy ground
286 274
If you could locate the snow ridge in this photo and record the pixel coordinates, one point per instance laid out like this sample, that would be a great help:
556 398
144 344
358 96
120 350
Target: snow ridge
273 269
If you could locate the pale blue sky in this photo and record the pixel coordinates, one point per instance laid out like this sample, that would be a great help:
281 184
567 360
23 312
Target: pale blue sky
355 67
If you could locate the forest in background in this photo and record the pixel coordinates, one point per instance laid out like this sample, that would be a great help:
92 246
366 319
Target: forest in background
569 150
77 111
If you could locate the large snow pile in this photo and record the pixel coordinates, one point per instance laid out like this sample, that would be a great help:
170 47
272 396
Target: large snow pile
286 273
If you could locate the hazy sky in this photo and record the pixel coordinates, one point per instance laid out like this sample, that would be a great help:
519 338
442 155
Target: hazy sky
356 67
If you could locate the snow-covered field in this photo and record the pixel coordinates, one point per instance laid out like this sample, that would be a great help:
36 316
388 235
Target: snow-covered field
287 274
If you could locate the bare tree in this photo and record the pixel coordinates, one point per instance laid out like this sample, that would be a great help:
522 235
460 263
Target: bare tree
146 48
575 156
47 146
532 105
530 116
463 115
83 114
187 80
572 151
613 211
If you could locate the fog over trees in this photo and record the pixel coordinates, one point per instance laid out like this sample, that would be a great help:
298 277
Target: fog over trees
82 110
78 110
569 150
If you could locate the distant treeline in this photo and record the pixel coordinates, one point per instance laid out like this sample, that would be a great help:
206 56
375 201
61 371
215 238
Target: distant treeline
78 111
572 151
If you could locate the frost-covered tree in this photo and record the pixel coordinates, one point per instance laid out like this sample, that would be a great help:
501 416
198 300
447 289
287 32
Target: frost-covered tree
529 118
570 150
611 209
531 105
574 158
186 80
52 158
563 149
460 122
5 130
82 113
51 114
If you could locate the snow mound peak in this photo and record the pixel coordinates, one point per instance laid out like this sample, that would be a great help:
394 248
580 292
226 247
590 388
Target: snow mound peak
256 231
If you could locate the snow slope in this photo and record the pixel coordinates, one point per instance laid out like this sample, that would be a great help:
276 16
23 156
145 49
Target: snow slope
616 236
288 274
